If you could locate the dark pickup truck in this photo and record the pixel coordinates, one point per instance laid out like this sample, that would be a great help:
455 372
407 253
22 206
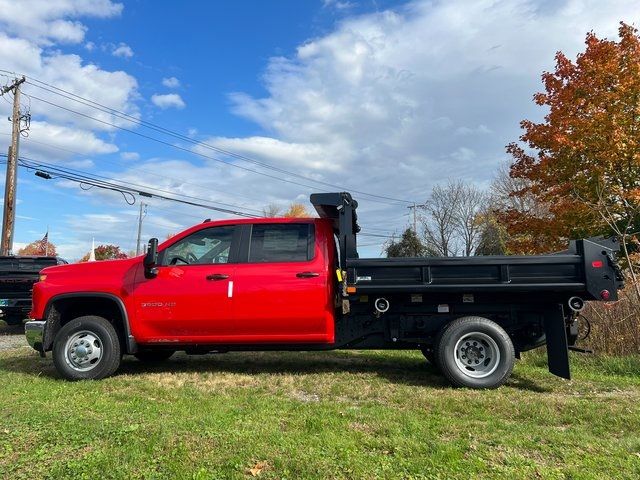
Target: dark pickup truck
299 284
17 276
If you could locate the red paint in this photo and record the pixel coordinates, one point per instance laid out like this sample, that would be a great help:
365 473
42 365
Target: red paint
269 302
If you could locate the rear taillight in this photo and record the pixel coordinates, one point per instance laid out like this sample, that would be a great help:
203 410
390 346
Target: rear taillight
604 294
597 264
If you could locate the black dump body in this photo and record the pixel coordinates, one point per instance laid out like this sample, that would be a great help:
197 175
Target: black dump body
586 270
528 295
17 276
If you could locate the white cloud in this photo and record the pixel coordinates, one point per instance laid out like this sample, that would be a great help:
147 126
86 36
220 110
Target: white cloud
81 164
59 141
116 89
122 50
90 46
52 21
309 155
171 82
130 156
338 4
169 100
416 95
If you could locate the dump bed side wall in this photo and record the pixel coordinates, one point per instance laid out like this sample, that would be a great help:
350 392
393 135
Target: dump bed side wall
582 274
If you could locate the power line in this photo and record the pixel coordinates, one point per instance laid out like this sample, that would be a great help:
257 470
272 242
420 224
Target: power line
184 182
111 111
178 147
138 187
129 193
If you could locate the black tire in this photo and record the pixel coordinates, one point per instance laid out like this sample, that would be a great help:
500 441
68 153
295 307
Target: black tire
88 334
430 354
475 352
152 356
13 320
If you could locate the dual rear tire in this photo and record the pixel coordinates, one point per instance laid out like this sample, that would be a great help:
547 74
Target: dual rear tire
473 352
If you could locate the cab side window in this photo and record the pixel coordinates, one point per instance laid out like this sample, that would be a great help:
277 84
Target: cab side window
281 242
206 246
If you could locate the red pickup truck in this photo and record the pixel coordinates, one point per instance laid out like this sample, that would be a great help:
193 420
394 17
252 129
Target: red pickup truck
298 284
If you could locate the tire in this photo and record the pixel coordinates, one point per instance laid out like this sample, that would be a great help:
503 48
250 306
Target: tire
151 356
475 352
87 348
13 320
430 354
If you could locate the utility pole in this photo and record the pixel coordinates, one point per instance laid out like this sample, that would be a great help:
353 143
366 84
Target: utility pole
415 222
414 207
143 206
9 217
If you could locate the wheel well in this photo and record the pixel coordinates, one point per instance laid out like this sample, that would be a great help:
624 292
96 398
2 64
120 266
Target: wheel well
64 310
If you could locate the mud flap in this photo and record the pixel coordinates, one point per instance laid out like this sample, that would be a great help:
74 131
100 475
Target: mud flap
557 346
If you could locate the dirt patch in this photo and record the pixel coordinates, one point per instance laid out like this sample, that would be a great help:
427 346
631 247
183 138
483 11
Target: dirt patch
11 336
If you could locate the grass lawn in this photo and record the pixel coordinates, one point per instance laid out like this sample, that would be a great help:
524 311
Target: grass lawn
317 415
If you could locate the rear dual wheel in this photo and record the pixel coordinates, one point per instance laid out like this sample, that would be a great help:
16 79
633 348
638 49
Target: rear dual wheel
474 352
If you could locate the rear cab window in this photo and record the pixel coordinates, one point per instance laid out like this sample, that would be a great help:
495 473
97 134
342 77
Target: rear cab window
282 242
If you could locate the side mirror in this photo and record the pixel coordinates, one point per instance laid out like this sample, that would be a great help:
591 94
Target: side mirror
150 261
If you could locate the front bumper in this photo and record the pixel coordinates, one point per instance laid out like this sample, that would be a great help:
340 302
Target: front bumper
34 331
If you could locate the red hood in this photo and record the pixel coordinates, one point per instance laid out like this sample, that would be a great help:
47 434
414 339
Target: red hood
90 267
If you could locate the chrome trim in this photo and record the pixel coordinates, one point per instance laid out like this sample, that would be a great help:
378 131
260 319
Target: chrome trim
34 331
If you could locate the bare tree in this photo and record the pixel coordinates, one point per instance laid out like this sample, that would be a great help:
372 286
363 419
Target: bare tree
439 221
502 195
471 203
451 219
272 210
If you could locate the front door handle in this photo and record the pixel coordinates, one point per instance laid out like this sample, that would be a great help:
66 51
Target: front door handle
307 274
217 276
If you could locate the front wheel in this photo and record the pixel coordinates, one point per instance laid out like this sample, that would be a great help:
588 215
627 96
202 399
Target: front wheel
475 352
87 348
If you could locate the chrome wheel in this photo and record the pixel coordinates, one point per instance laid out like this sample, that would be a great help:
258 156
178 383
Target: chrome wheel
477 355
83 351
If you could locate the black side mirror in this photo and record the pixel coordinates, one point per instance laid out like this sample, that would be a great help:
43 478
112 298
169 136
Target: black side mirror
150 261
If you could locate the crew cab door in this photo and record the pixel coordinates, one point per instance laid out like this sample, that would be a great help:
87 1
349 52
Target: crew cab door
190 298
282 291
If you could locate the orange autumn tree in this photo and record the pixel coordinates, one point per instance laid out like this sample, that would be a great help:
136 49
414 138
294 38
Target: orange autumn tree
41 247
297 210
581 165
106 252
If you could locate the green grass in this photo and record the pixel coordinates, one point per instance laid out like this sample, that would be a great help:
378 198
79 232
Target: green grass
317 415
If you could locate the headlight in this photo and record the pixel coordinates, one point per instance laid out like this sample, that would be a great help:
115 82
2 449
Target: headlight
42 278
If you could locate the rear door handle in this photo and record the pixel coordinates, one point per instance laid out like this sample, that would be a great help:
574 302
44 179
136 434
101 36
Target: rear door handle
217 276
307 274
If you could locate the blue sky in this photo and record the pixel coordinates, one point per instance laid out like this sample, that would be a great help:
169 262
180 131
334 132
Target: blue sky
384 97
